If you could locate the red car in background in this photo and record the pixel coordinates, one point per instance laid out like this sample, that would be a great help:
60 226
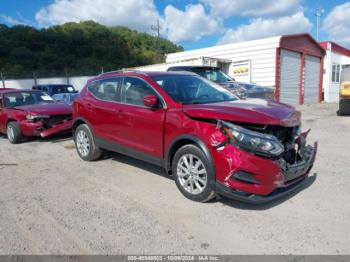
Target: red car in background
208 139
29 113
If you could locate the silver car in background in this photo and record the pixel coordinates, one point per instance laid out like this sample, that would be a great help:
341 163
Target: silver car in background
253 90
242 90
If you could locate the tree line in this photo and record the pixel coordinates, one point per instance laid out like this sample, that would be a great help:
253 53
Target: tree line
77 48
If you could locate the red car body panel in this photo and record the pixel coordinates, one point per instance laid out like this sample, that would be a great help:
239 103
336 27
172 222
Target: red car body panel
65 126
153 132
31 128
267 112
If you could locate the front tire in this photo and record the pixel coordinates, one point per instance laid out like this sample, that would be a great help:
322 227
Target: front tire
85 145
193 175
14 133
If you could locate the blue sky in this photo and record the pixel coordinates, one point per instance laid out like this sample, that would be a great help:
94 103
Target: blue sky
192 23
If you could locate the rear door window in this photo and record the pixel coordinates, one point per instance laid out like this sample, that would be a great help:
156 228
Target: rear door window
107 89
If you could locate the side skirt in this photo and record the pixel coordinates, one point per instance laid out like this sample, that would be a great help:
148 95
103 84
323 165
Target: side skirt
105 144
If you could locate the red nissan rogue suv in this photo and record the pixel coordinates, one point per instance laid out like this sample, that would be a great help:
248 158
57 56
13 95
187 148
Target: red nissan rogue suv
206 138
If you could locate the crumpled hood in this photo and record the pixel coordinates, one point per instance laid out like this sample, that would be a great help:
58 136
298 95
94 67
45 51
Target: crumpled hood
255 111
51 108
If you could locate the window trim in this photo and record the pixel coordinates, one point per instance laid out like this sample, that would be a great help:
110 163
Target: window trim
335 73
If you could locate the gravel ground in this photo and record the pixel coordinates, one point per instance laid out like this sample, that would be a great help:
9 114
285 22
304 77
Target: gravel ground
52 202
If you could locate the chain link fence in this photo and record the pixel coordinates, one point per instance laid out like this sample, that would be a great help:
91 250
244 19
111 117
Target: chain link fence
67 76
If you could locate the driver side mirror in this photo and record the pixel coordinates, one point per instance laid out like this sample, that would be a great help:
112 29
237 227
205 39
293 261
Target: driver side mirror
151 101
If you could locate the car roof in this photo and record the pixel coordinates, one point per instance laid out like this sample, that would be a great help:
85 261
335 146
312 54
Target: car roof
161 73
144 73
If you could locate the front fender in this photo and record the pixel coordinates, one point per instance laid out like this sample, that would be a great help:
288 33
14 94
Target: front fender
174 145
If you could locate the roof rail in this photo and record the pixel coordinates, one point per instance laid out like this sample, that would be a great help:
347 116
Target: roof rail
120 71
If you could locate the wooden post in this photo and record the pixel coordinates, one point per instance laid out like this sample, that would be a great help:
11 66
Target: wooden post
35 79
320 84
67 76
2 80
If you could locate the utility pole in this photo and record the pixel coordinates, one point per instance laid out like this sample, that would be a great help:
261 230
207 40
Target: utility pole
156 29
318 14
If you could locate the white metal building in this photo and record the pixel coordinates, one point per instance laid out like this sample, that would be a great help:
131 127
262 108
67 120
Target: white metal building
336 58
292 64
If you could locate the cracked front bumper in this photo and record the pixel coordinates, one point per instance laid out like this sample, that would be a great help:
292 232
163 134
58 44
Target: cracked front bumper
223 190
33 129
293 177
59 128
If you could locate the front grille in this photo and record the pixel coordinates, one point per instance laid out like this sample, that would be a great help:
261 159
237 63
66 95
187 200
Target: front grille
55 119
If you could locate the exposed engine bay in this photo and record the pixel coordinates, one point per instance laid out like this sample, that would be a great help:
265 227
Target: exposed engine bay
288 136
295 159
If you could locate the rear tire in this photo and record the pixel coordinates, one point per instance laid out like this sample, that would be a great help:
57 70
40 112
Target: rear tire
14 133
85 144
193 175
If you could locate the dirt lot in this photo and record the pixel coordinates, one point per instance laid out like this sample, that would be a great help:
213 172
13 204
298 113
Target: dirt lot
51 202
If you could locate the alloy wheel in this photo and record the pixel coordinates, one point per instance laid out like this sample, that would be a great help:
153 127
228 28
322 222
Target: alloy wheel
192 174
83 143
10 133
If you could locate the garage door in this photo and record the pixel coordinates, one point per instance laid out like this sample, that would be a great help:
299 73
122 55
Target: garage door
290 77
312 79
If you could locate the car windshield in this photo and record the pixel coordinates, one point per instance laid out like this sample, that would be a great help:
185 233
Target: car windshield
188 89
24 98
212 74
62 89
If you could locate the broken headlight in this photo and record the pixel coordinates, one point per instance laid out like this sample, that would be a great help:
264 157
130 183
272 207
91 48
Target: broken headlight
33 117
258 143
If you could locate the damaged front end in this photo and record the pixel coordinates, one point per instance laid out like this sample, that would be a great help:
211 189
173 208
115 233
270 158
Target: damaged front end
268 161
46 125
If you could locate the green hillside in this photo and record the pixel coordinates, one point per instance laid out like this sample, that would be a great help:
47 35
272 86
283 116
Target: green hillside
77 48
